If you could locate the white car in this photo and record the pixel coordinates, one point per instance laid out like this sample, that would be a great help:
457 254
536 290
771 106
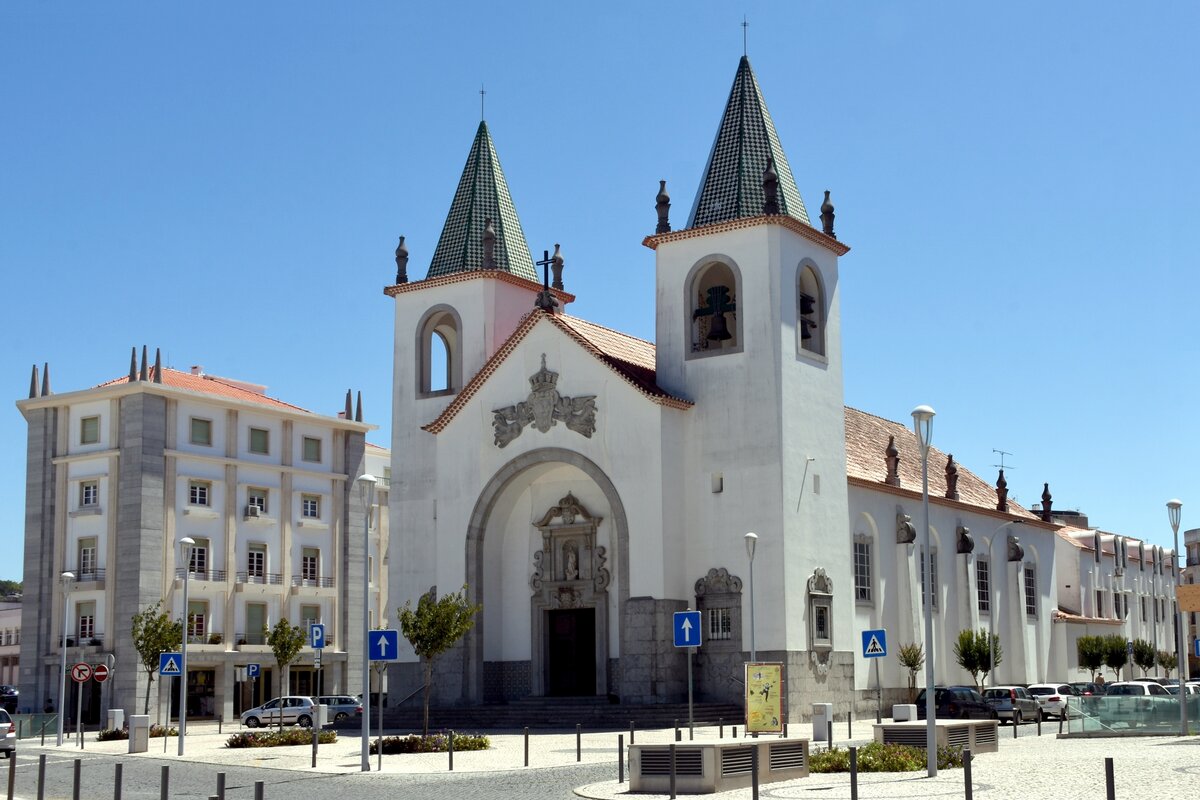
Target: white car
1053 697
293 711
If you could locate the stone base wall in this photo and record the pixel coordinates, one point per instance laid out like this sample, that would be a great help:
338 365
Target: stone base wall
505 680
652 670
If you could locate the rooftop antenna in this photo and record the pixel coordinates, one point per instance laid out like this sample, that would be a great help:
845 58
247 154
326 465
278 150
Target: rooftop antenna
1002 453
482 92
745 25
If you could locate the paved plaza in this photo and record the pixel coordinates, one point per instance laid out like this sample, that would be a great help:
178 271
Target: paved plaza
1027 767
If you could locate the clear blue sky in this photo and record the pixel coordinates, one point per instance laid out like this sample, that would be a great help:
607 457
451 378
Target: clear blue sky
1018 183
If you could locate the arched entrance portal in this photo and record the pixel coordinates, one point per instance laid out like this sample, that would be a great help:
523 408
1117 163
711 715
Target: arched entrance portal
546 617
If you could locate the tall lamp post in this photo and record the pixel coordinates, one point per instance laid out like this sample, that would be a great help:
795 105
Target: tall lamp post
1173 509
367 483
751 541
993 608
67 580
923 426
185 553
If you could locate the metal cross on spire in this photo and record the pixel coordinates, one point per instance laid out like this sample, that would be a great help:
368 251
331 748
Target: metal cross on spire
482 92
745 25
545 298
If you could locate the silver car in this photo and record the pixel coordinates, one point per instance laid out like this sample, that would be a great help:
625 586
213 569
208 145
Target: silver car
1013 703
282 710
8 735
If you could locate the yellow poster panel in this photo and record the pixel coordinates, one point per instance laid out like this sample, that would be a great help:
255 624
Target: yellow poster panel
764 698
1188 596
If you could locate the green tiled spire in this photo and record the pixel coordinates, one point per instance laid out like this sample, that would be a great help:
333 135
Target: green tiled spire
482 194
732 183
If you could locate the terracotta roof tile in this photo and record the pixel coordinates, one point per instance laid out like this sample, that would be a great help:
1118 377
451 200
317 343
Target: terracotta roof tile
1065 616
471 275
209 384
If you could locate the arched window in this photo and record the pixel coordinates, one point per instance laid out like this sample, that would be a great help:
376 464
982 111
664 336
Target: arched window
714 316
439 368
810 311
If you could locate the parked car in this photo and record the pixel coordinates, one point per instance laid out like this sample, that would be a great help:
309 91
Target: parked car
1053 697
1087 688
956 702
340 706
293 711
8 698
8 735
1139 702
1189 689
1013 703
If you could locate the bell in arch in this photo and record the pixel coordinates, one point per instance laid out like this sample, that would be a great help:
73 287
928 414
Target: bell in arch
719 331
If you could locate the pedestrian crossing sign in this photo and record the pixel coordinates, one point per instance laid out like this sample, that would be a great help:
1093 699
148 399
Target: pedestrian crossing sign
168 663
874 643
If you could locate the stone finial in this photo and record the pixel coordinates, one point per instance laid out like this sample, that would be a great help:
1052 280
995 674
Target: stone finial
827 216
158 365
545 298
46 379
144 371
951 478
401 262
966 542
358 408
892 457
556 268
133 364
33 383
489 244
1047 503
1001 493
770 185
349 412
662 204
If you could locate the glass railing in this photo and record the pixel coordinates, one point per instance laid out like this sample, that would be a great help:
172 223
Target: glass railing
1118 715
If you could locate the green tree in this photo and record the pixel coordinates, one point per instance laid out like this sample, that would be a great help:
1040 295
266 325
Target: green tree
1168 661
285 640
154 633
1115 654
912 658
1090 650
434 627
10 589
971 652
1143 655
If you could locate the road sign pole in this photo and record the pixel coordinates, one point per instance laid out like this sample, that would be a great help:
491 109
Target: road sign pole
878 695
79 711
691 651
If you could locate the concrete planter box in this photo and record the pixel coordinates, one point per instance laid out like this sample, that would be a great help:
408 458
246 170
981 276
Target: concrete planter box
717 767
977 735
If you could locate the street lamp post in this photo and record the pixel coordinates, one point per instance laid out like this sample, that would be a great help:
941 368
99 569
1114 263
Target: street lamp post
1173 509
67 580
751 541
923 426
185 549
993 608
367 483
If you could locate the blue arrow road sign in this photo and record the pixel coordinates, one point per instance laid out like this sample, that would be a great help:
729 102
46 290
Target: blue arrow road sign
874 643
168 663
384 645
316 635
687 628
1196 647
252 671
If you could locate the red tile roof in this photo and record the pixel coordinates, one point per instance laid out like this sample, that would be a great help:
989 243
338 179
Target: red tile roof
471 275
1065 616
210 384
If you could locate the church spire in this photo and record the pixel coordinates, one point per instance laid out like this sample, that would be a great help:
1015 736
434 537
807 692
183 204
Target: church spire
482 194
732 187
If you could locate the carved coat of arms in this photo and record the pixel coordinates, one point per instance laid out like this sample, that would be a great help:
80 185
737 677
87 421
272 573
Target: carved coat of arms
543 409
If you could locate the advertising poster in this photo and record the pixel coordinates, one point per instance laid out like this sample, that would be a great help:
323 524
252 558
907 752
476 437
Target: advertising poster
764 698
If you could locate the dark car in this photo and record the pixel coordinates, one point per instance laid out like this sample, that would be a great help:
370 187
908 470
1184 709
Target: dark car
1087 688
8 698
956 702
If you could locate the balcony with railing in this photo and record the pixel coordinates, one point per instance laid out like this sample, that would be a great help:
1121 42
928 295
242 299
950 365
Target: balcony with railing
312 585
256 639
201 575
88 578
91 644
258 579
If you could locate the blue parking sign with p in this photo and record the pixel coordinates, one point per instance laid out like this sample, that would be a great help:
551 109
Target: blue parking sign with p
316 635
252 671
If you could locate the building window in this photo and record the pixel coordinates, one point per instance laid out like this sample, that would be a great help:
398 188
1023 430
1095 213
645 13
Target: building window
197 620
933 574
311 449
310 506
983 585
1100 603
810 310
822 622
198 564
201 431
89 430
89 494
87 622
862 569
311 616
256 502
720 623
1143 605
199 493
713 313
256 561
440 343
87 558
260 441
310 564
1031 593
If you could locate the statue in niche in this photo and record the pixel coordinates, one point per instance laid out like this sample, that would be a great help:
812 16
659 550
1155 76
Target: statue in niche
570 561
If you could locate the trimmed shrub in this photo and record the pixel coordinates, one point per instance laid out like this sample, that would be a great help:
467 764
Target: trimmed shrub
278 738
121 734
877 757
434 743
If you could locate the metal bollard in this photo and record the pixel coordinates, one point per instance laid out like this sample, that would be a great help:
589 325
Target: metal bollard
733 735
970 790
677 738
12 773
220 786
1060 722
578 742
75 780
1039 724
849 724
754 774
164 782
829 734
691 731
220 723
258 790
721 727
853 773
785 730
450 749
42 773
527 747
631 731
1014 724
620 759
1110 787
672 771
116 781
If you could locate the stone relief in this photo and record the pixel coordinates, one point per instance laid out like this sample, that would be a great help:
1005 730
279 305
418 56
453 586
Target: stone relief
819 582
535 580
718 581
602 577
543 409
567 597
